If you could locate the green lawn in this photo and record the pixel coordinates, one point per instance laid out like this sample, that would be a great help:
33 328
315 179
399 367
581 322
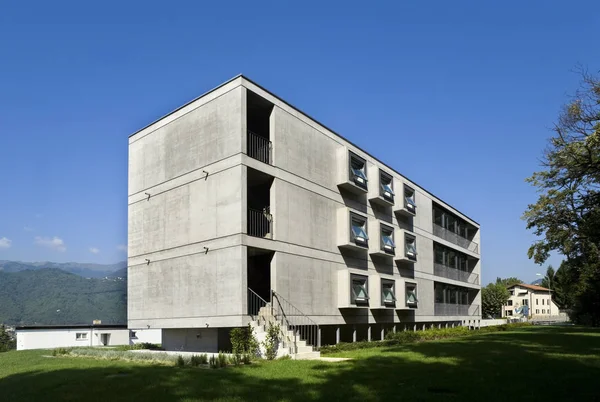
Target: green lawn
534 363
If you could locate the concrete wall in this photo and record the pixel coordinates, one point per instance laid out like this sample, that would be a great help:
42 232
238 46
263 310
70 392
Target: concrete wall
191 339
144 335
54 338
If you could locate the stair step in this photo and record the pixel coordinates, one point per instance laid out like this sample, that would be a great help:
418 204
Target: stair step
307 356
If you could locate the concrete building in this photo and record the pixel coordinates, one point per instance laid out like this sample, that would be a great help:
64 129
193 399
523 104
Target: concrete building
537 299
55 336
238 199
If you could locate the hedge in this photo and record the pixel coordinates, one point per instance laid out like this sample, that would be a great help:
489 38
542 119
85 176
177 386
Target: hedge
404 337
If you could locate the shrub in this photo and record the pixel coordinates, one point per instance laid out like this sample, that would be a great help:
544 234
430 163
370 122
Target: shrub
212 362
285 357
272 341
61 351
222 360
236 360
246 358
197 360
180 361
243 341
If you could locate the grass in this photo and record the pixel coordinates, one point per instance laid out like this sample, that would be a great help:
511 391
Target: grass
536 363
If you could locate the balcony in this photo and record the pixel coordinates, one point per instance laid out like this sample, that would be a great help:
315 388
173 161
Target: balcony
447 309
259 148
456 274
454 238
260 223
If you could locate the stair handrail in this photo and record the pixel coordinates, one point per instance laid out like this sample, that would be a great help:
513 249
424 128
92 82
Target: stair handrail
309 329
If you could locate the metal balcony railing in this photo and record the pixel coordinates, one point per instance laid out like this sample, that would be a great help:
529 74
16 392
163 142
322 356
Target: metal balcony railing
259 148
456 274
452 237
456 309
260 223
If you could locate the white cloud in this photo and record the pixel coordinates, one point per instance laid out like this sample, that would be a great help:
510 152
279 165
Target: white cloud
5 242
55 243
122 247
94 250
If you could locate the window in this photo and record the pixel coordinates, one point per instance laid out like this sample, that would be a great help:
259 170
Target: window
537 311
464 297
387 186
451 259
450 223
411 294
81 336
438 254
358 230
387 239
358 289
463 263
132 334
409 199
543 302
357 170
438 217
388 292
410 246
537 302
510 302
543 311
525 302
509 312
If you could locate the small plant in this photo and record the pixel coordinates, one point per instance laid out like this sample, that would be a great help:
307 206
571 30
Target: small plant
246 358
285 357
236 360
60 351
212 362
203 358
195 360
180 361
272 341
243 341
222 360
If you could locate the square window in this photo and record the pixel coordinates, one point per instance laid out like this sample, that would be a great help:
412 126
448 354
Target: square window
537 302
358 289
543 311
409 199
358 170
509 312
80 336
386 185
388 292
543 302
510 303
358 232
387 239
411 294
537 311
132 334
410 246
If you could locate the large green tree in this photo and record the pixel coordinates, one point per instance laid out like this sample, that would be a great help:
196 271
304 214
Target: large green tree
566 216
508 281
493 297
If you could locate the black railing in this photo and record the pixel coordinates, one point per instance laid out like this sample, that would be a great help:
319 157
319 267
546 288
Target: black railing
260 223
294 320
255 303
456 309
455 238
456 274
258 147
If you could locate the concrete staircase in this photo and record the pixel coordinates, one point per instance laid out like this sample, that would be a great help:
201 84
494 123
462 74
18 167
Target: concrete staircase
296 348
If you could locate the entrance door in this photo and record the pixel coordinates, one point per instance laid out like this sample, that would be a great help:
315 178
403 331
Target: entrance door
105 339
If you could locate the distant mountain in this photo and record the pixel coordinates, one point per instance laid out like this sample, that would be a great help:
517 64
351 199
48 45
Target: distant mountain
52 296
537 282
87 270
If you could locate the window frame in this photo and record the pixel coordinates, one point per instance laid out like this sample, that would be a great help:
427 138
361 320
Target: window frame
415 292
365 228
390 189
353 176
387 229
407 237
353 296
392 283
81 336
509 302
411 205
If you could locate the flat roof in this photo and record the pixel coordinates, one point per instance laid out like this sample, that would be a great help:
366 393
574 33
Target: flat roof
305 114
74 326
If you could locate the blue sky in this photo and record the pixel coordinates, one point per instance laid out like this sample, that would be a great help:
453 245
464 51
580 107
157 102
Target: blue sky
458 96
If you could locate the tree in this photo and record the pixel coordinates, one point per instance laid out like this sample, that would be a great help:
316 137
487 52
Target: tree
508 281
493 297
566 215
6 343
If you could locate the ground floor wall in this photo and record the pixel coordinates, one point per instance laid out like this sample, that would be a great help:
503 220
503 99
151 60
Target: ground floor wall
206 340
75 337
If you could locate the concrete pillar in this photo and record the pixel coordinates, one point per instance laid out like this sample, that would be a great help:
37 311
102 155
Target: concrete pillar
452 324
440 326
382 333
337 335
394 328
369 333
415 328
319 337
354 333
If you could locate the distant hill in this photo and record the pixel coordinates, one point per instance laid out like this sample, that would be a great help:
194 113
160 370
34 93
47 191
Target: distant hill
537 282
52 296
87 270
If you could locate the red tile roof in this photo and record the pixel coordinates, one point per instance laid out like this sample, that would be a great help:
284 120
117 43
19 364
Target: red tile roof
532 287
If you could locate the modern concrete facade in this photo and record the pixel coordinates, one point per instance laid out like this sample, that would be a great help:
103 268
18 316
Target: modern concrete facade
537 298
239 190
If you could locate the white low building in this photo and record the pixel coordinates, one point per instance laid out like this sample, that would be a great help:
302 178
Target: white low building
54 336
530 301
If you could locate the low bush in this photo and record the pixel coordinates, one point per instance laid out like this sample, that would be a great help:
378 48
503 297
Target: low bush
404 337
246 358
60 351
222 360
212 362
180 361
139 346
272 341
197 360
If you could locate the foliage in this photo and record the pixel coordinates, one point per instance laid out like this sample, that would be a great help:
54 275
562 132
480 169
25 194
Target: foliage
493 297
54 297
507 282
272 341
243 341
212 362
222 360
408 337
566 215
180 361
246 358
197 360
6 342
139 346
61 351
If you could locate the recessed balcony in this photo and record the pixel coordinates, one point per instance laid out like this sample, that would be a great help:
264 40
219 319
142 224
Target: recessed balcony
382 243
